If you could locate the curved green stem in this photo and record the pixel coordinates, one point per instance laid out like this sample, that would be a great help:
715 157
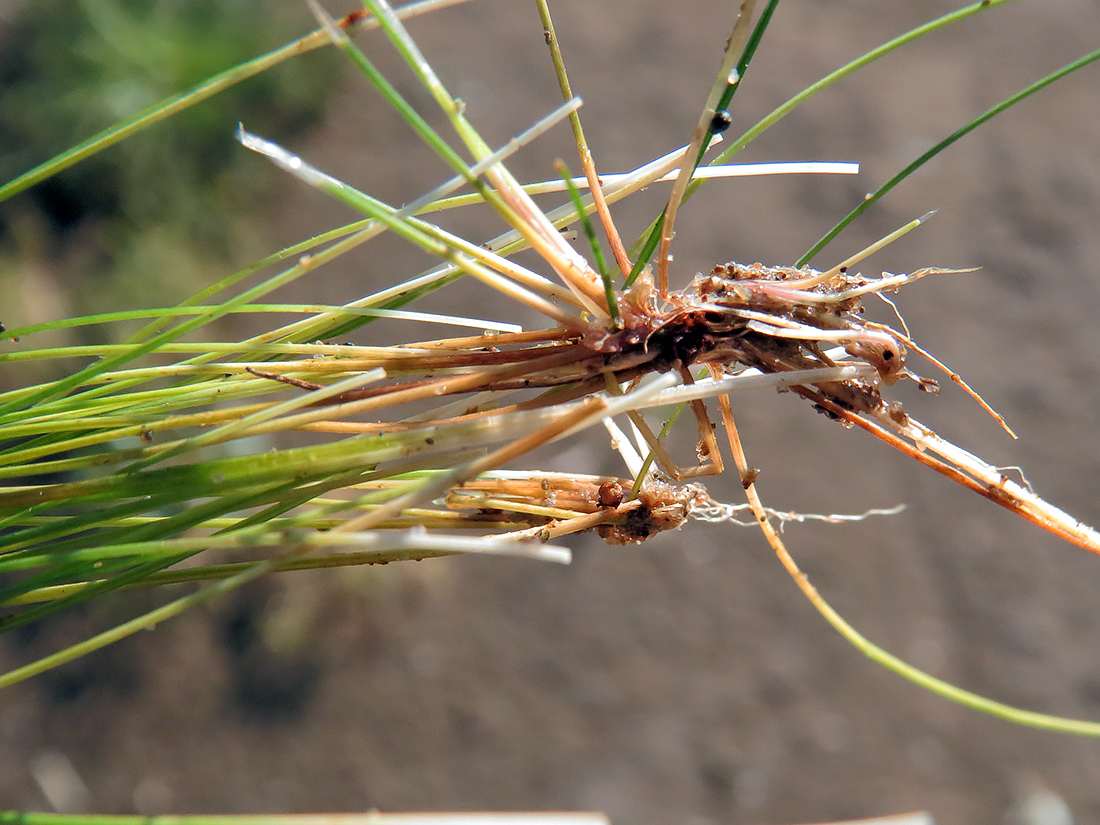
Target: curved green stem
918 677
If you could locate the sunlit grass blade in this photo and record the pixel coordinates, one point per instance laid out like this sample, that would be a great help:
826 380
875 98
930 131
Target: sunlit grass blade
588 164
366 229
593 243
119 357
727 78
646 244
1008 102
391 23
177 103
509 198
953 693
721 95
469 257
725 98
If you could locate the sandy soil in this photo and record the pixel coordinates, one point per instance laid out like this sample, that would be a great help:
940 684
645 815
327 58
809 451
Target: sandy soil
687 680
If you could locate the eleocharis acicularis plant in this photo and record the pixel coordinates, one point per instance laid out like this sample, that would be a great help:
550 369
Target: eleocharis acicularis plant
121 471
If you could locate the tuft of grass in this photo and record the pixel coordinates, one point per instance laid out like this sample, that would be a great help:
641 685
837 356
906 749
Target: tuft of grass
171 455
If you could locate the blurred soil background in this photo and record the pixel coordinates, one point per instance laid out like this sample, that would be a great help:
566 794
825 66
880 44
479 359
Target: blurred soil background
685 680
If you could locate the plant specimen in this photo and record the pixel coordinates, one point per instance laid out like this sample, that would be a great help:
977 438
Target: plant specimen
119 471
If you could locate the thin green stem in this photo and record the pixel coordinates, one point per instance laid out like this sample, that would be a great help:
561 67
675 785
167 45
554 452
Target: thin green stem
177 103
875 196
161 111
649 244
939 687
594 244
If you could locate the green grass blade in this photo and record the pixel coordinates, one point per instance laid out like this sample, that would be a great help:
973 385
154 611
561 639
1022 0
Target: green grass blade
160 111
742 66
1019 716
647 246
1008 102
177 103
593 242
642 252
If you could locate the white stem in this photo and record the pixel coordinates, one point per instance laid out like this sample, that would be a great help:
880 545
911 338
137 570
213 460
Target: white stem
419 539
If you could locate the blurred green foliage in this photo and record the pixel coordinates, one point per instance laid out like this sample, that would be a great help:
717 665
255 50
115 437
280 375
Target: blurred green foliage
70 69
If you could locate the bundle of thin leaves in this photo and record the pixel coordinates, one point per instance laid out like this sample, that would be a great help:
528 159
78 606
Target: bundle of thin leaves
119 474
